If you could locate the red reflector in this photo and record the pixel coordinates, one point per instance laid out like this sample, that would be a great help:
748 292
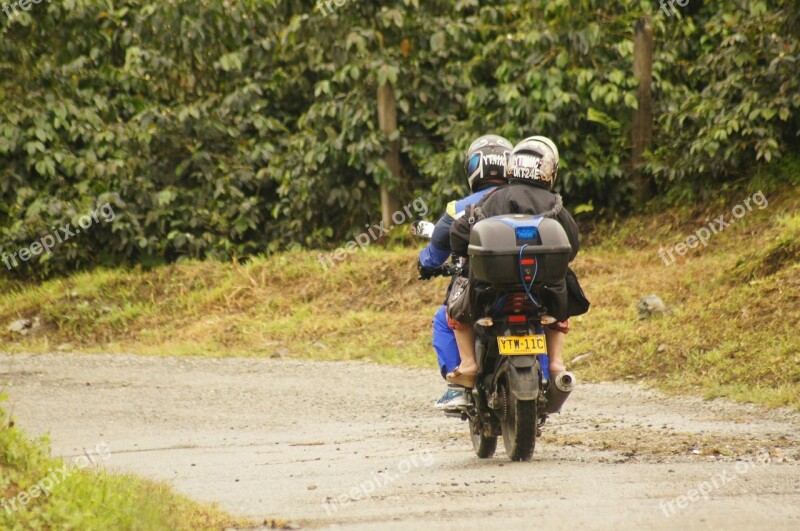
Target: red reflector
516 318
528 261
528 278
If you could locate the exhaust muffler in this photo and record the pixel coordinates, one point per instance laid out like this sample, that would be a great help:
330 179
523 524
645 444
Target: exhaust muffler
558 391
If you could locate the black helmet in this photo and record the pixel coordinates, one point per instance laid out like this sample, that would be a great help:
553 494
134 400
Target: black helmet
487 158
534 160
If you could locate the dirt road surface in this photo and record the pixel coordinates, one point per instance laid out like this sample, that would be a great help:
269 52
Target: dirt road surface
358 446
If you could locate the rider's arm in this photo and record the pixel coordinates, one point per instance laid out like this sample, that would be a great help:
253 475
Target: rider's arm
438 250
432 256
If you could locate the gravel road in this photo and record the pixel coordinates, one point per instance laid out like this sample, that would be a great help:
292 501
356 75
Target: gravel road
358 446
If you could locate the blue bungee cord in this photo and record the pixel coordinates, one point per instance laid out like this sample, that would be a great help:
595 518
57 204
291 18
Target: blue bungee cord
543 359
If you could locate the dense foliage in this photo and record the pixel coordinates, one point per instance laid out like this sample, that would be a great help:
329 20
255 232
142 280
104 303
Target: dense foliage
224 129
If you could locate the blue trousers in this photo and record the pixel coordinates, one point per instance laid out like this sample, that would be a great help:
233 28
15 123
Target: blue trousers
444 342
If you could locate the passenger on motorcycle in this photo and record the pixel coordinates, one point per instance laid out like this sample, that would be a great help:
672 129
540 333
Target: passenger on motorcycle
485 167
532 172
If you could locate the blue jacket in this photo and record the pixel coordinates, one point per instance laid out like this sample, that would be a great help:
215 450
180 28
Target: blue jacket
438 250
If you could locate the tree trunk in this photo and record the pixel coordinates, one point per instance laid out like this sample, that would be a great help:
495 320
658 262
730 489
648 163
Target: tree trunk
387 121
642 127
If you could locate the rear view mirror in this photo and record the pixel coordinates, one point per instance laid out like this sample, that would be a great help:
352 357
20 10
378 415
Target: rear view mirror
422 229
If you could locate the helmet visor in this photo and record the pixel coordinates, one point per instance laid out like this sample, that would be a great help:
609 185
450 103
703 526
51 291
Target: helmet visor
473 164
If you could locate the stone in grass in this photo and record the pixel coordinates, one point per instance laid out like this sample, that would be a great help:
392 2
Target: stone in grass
20 326
651 306
25 326
582 358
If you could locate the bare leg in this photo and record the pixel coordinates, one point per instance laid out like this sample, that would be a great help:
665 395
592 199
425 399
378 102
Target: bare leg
466 348
555 348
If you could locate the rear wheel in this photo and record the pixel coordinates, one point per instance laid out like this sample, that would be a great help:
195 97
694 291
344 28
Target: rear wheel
519 425
485 445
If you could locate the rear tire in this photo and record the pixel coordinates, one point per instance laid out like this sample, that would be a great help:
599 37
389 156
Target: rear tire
484 445
519 426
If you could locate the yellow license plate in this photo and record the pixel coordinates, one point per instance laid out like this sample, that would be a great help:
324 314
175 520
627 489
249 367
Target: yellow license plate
522 345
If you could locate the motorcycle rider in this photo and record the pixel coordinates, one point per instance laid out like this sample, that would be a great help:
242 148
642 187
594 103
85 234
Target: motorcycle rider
485 167
532 172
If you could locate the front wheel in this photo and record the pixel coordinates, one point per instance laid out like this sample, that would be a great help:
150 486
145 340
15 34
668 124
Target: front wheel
519 426
484 445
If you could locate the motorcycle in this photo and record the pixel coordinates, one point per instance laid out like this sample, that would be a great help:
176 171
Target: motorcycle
512 258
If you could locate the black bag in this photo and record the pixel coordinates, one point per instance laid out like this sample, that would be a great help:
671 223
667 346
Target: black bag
459 301
577 303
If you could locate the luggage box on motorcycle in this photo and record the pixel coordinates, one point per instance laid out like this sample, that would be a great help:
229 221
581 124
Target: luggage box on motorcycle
495 244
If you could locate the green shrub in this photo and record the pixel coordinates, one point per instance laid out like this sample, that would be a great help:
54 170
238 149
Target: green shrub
224 129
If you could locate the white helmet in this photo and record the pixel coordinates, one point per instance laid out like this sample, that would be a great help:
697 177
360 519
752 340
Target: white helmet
535 159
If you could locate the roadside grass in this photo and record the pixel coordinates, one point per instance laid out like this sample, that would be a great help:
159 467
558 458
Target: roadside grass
731 331
85 498
370 307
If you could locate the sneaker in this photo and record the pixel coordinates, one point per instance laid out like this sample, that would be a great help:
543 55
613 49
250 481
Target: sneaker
452 398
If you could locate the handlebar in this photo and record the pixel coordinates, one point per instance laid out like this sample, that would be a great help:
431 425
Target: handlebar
448 269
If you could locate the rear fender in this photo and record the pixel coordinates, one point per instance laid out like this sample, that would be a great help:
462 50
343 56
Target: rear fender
523 376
